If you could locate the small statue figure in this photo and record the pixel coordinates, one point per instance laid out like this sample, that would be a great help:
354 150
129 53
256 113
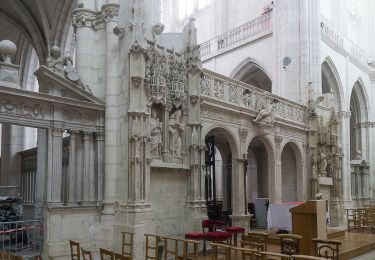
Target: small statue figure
314 174
265 114
175 131
156 135
247 98
323 161
55 61
63 65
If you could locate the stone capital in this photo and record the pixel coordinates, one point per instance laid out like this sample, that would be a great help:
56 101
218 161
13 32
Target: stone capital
99 136
345 114
57 132
110 12
84 18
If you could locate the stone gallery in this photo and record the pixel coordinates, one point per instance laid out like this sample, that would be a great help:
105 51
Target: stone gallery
139 126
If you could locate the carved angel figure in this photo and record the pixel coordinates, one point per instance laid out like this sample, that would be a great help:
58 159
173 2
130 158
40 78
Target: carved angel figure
175 132
156 137
265 114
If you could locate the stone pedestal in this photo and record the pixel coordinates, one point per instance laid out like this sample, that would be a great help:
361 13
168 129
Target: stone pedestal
241 221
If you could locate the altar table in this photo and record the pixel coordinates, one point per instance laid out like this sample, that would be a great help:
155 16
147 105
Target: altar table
279 217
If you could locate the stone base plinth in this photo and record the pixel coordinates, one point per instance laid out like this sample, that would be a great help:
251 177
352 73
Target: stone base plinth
241 221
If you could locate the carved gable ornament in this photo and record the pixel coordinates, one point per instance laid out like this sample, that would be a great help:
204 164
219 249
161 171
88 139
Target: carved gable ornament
53 83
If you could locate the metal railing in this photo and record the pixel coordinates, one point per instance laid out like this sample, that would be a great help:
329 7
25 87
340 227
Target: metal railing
244 33
23 238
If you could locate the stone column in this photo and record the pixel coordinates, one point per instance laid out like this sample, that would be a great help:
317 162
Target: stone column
346 171
84 21
40 178
86 167
79 169
56 178
99 138
72 168
238 217
278 173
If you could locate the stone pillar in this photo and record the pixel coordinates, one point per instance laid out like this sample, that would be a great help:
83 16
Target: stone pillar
72 168
56 178
346 171
278 173
79 169
99 138
84 21
86 168
239 216
41 172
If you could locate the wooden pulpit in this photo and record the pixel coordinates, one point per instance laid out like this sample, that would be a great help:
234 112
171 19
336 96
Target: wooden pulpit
309 221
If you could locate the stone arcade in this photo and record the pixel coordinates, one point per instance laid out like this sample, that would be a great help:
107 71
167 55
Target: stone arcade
141 129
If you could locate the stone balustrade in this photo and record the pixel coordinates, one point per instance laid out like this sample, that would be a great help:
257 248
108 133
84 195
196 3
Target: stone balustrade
331 35
251 30
219 88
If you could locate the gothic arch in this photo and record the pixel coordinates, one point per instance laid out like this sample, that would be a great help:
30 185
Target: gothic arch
331 83
359 114
260 172
251 72
223 133
291 169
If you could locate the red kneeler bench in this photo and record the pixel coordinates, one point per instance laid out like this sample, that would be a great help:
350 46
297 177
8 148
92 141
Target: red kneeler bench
218 236
235 231
197 236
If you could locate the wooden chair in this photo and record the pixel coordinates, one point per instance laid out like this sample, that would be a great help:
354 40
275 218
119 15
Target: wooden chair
127 244
4 255
106 254
328 249
248 254
274 256
306 257
185 250
221 250
118 256
173 244
255 240
152 242
75 250
289 244
353 217
86 254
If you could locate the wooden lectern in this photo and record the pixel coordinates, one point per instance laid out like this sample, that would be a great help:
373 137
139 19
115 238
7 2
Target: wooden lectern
309 221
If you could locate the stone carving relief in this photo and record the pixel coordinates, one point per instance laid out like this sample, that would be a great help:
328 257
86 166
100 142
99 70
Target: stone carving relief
265 114
63 65
175 131
22 109
74 115
156 135
325 151
165 78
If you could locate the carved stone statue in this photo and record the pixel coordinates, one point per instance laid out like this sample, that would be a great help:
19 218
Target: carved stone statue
314 173
323 161
338 172
247 98
265 114
64 65
55 61
156 135
175 132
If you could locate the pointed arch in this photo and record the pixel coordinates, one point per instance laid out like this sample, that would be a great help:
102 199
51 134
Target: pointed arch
250 71
360 101
331 83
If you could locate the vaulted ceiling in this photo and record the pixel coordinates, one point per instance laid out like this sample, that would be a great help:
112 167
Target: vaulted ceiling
36 24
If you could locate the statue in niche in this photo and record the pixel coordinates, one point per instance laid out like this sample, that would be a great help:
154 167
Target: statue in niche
323 161
63 65
314 174
156 135
175 131
338 172
265 114
329 168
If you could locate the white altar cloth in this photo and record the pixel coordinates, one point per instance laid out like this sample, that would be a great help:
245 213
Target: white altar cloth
279 217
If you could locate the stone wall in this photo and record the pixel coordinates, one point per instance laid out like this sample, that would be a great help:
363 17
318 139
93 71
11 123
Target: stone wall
168 197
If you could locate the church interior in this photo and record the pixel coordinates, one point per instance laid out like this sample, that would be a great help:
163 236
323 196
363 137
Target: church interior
187 129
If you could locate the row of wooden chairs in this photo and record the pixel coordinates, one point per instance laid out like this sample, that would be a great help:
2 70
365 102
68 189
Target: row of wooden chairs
361 219
290 245
77 251
226 252
159 246
8 256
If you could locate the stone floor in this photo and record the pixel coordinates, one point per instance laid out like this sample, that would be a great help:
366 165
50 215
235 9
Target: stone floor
369 256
